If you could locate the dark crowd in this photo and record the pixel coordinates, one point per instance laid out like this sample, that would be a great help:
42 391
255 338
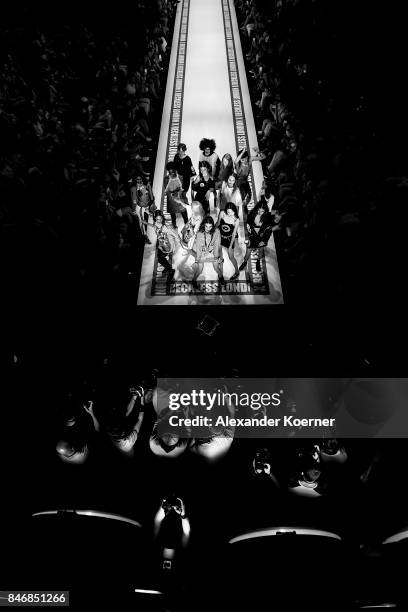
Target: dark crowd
80 111
80 108
323 92
96 445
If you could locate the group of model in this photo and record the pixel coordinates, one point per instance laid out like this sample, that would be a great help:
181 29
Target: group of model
224 183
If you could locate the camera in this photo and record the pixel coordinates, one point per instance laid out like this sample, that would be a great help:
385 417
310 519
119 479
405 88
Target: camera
171 503
261 460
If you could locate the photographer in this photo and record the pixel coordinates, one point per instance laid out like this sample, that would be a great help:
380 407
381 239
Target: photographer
73 446
171 529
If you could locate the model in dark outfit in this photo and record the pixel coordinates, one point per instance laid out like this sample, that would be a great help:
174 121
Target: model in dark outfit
260 225
227 223
184 166
226 229
203 186
242 166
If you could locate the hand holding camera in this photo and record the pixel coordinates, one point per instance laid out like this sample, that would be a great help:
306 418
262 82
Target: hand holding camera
174 503
88 407
136 392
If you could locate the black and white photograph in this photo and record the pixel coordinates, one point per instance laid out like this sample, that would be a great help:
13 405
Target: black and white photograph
203 208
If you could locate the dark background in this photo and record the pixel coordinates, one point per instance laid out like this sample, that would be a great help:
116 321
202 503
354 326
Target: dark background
58 327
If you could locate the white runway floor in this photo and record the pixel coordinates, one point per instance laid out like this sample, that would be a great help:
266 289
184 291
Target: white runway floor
201 106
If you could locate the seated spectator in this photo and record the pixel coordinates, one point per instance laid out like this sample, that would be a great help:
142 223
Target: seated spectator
308 481
86 126
168 444
73 447
123 424
219 440
165 441
332 452
261 467
75 451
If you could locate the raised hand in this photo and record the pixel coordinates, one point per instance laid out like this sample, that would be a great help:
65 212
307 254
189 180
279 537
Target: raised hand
88 407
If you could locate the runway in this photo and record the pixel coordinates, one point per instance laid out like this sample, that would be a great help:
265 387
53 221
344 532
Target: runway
207 96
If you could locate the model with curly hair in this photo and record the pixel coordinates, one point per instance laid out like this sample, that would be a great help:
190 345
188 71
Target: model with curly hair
207 147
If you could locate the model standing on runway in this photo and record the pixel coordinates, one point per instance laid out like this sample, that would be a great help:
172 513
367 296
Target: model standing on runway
208 154
189 231
166 243
226 169
230 192
177 202
228 222
142 202
260 224
203 186
242 167
208 248
184 167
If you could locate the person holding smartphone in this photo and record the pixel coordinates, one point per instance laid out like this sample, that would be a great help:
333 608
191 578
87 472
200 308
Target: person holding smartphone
171 529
